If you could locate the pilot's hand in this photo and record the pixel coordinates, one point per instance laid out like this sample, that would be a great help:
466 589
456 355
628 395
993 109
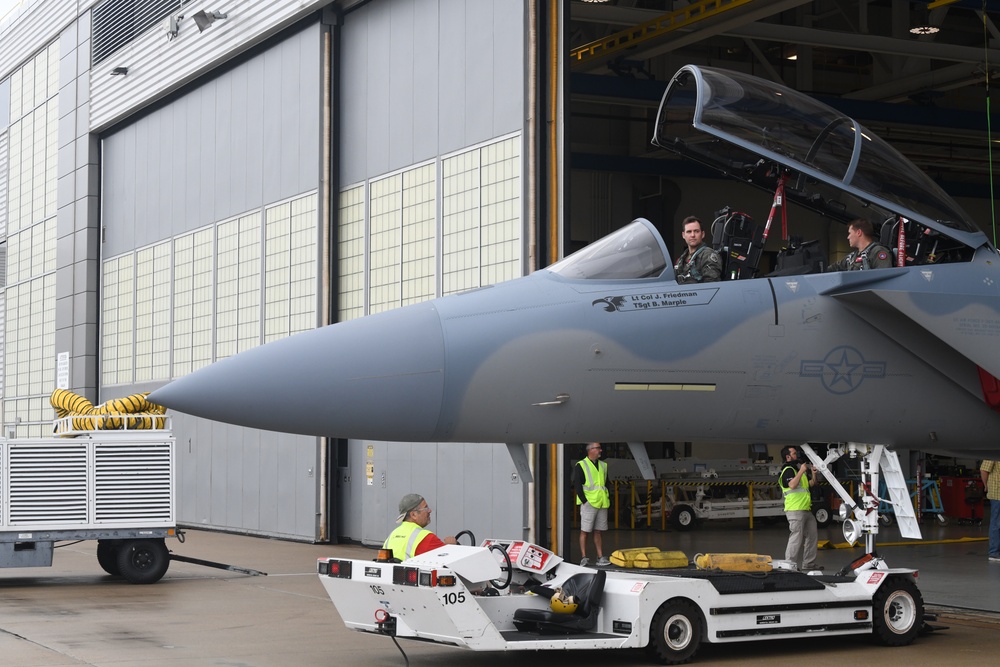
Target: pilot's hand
450 540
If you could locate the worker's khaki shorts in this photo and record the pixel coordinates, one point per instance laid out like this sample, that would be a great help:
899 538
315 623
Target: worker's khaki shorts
592 519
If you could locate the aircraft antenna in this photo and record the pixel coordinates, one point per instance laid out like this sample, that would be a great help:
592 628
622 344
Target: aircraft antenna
989 131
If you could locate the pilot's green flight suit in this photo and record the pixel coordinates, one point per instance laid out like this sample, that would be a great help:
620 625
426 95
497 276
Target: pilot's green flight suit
874 256
701 266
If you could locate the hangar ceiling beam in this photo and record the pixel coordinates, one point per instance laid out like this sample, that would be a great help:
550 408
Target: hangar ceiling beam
870 43
708 26
941 79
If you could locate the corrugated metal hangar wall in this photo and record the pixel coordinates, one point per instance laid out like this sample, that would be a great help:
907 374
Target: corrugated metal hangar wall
213 232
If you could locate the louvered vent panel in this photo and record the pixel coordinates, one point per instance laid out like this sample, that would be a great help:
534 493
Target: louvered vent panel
118 22
48 484
132 482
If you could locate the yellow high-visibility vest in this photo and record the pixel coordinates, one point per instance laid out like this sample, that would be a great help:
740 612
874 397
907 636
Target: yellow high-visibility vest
594 484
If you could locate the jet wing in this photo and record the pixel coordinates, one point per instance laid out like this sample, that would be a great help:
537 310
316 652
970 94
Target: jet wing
941 328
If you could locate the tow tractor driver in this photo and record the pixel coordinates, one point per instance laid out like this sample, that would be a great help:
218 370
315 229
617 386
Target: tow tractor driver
411 538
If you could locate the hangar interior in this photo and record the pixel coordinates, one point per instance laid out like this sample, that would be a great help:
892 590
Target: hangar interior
173 192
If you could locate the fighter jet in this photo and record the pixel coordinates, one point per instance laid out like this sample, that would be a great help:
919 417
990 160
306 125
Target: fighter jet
605 345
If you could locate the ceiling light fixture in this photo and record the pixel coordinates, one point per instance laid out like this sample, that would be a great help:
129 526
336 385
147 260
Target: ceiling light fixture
925 29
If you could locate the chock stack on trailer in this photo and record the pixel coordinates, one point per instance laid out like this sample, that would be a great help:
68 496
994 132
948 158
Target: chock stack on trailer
649 557
734 562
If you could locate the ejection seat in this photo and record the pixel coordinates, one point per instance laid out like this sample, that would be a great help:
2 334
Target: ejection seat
919 241
739 241
586 587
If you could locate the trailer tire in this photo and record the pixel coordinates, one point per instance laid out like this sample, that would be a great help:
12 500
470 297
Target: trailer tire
897 612
107 556
143 561
823 517
682 517
676 631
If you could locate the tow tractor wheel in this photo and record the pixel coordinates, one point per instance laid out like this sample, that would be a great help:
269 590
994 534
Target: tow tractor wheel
898 612
682 517
107 556
143 561
676 632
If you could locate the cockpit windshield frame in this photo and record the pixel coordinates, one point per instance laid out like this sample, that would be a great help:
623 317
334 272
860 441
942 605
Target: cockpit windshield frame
634 252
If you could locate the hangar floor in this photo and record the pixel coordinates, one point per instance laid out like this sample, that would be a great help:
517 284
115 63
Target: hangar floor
73 614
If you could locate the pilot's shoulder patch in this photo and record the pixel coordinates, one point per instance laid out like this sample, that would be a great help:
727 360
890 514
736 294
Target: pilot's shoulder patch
882 254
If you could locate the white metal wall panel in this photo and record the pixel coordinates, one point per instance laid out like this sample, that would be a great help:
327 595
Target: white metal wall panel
158 66
35 25
421 78
244 139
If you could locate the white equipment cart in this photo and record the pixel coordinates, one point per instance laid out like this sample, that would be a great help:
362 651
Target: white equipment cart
113 486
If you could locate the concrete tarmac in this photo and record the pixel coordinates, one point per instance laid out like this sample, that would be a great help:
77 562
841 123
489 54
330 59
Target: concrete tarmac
74 614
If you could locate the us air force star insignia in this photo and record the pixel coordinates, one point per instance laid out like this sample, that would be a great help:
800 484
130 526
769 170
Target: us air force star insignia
842 370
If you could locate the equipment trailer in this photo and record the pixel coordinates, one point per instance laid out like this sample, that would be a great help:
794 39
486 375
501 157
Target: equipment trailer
113 486
495 597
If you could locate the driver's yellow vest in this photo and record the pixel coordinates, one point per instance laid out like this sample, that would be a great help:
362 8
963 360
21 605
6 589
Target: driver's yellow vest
594 479
798 498
404 540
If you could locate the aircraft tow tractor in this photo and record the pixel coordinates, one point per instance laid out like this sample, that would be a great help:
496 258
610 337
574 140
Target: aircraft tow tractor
496 596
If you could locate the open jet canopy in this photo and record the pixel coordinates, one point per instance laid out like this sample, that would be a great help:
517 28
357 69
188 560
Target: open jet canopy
759 131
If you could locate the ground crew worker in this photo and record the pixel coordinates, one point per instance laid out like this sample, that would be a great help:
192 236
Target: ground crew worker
411 538
795 482
867 254
590 478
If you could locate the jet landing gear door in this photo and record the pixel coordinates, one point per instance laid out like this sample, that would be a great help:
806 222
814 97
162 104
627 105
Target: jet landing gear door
641 457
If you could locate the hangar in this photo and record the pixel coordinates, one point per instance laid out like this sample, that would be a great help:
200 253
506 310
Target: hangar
181 181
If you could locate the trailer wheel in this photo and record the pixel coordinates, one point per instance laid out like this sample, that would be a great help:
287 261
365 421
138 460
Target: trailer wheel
107 556
676 632
823 517
682 517
143 561
898 612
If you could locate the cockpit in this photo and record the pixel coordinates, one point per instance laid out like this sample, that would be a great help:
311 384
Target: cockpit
801 151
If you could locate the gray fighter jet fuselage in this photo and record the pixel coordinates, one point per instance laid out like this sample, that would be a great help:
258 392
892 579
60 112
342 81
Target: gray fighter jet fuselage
607 346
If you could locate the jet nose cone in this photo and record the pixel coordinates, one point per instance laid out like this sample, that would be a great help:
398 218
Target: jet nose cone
379 377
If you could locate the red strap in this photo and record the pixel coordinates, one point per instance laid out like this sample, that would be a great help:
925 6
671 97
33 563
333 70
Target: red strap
901 241
777 202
